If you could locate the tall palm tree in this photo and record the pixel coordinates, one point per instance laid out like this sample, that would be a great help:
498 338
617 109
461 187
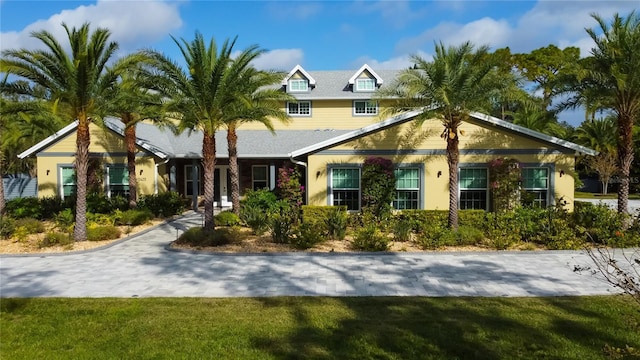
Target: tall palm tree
612 77
448 88
598 134
133 103
77 81
256 102
203 95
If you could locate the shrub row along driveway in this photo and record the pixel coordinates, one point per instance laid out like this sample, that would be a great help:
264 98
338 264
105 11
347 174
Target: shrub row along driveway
142 267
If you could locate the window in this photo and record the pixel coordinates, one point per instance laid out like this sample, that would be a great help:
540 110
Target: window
260 177
473 188
535 186
365 84
407 189
118 181
298 85
300 108
345 187
365 107
188 181
67 181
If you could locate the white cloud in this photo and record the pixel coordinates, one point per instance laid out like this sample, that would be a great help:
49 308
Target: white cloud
279 59
394 13
133 24
483 31
395 63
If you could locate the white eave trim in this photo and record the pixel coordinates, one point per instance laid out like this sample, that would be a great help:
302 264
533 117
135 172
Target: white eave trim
357 133
363 68
532 133
143 144
312 81
49 140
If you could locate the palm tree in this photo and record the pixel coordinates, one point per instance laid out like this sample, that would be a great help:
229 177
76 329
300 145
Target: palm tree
203 95
257 102
612 78
77 82
598 134
133 104
448 88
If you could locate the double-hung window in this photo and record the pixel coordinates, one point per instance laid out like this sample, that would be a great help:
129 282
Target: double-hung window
298 85
365 84
365 107
300 108
260 177
118 181
67 181
407 188
189 180
535 184
473 188
345 187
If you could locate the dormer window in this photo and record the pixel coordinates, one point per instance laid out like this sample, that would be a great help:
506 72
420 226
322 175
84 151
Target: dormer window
298 85
365 84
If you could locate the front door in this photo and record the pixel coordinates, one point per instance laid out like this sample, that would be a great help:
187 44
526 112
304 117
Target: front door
222 188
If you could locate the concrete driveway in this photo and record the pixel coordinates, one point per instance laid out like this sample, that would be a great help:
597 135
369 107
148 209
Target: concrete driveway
142 267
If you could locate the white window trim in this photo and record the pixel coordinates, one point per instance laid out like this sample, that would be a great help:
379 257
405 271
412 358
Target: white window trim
547 189
253 179
420 183
298 113
359 88
107 178
331 188
486 189
365 113
61 180
297 81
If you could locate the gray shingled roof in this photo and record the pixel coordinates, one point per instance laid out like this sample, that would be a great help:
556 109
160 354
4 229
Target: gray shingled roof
251 143
335 85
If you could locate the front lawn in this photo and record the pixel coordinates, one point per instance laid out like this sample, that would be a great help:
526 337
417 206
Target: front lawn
318 328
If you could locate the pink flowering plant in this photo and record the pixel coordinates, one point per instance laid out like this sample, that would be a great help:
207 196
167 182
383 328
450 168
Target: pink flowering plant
289 188
378 187
504 183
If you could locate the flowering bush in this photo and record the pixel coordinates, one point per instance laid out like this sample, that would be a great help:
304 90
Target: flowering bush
290 190
378 187
505 178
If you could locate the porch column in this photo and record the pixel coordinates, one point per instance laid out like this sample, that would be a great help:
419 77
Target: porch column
272 177
195 185
172 178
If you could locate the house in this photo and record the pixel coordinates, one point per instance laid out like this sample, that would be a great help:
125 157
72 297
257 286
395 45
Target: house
336 125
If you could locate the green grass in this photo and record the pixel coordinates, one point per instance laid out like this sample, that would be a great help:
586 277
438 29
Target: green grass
589 195
318 328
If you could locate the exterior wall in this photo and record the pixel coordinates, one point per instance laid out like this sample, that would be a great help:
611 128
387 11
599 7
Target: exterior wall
325 114
411 144
104 145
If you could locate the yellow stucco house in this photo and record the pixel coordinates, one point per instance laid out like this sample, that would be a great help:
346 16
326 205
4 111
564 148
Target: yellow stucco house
335 127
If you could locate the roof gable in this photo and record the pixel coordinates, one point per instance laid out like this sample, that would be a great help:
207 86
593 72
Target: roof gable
296 69
368 69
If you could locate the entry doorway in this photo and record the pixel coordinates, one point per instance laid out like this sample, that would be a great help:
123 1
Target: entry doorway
222 188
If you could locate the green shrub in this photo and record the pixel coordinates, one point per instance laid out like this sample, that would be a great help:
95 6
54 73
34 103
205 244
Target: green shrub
55 238
282 227
529 223
499 230
198 237
64 220
255 218
99 203
602 224
369 238
133 217
32 226
7 227
423 220
262 199
336 222
227 218
163 204
26 207
474 218
307 236
402 228
51 206
469 235
100 219
101 233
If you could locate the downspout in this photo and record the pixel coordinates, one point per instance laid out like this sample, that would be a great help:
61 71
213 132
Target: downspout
306 177
155 176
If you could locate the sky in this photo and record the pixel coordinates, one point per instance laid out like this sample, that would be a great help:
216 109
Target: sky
319 35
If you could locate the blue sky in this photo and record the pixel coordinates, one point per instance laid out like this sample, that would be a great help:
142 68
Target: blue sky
323 35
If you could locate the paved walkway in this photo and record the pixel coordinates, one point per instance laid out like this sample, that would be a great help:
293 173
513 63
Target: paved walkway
142 267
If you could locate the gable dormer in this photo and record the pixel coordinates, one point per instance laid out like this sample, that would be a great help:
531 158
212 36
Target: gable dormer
365 80
298 80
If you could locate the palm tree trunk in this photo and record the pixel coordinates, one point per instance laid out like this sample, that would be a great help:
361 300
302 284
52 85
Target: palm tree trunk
625 159
82 164
130 140
209 163
453 156
2 202
232 141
